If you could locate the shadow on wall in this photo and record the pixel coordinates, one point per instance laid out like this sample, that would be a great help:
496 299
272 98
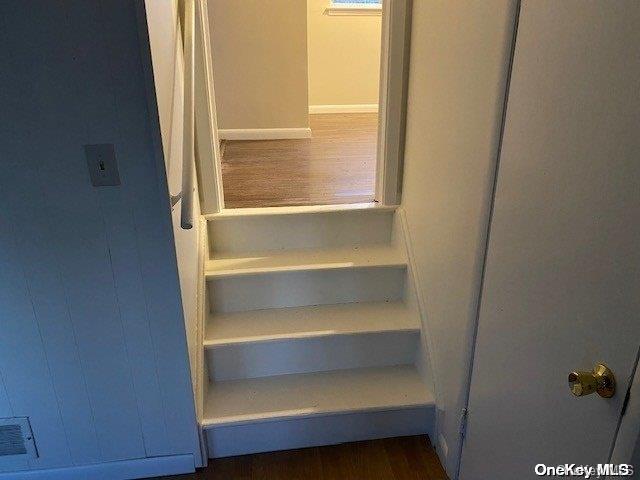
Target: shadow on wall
93 346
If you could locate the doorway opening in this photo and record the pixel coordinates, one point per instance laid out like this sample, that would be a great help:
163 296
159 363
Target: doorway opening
297 92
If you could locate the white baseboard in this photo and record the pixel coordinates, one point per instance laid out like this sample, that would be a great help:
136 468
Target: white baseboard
362 108
263 133
124 470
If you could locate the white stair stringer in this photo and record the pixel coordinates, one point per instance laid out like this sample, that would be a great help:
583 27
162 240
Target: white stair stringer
313 333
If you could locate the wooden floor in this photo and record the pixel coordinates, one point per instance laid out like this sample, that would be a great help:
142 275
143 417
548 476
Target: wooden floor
404 458
336 165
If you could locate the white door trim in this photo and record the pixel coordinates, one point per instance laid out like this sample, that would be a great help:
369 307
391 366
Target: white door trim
485 407
208 159
394 76
628 435
482 258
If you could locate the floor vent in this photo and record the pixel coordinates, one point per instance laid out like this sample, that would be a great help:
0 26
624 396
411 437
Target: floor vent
16 438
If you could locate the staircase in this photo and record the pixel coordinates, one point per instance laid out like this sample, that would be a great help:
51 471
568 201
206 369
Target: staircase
312 335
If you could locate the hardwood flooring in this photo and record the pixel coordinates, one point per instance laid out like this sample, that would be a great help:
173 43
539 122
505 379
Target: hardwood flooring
336 165
403 458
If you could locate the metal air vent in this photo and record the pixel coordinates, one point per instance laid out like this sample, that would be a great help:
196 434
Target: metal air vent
16 438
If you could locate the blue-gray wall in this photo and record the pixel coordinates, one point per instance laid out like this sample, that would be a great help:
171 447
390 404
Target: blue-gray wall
92 343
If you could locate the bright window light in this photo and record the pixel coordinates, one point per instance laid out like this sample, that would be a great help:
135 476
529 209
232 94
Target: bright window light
355 7
357 2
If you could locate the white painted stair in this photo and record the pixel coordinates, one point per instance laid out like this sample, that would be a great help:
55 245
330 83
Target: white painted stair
313 334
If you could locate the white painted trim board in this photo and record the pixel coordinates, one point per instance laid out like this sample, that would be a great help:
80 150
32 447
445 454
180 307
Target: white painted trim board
203 311
417 294
355 108
206 118
394 83
264 133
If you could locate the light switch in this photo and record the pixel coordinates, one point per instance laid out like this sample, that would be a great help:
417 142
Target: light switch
103 167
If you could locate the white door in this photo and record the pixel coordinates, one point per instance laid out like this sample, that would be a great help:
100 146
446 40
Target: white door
562 281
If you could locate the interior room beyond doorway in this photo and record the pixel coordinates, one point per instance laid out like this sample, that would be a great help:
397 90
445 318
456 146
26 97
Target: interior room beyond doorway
297 93
336 165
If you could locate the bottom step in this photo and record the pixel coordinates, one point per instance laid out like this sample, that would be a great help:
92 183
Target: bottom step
295 411
231 440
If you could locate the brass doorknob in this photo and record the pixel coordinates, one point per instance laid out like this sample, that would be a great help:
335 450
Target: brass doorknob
600 380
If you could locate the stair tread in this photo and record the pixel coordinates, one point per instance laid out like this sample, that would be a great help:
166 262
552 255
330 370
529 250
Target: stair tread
313 394
308 322
309 259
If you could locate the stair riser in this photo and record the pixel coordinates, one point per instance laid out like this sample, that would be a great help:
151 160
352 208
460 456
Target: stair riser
261 359
315 287
233 236
225 441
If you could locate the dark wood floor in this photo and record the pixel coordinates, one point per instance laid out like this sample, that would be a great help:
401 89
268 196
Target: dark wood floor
336 165
404 458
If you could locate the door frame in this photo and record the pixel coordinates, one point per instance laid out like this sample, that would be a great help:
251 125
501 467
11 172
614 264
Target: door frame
394 86
207 140
484 248
628 436
394 81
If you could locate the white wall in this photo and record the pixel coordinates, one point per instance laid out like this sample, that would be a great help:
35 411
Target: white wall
459 58
93 346
260 63
344 56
